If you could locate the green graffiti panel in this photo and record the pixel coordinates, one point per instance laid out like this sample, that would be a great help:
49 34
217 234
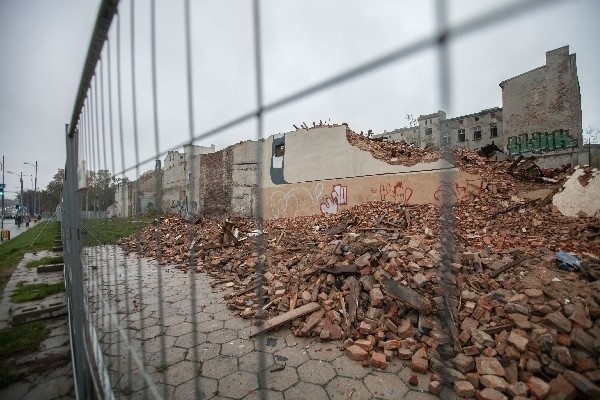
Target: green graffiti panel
541 142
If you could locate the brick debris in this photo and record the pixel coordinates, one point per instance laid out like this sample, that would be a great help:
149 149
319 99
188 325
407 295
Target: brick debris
519 326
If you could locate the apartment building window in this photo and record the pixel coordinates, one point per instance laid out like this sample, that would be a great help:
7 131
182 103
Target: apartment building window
476 118
425 122
461 135
460 121
477 133
428 131
493 115
493 130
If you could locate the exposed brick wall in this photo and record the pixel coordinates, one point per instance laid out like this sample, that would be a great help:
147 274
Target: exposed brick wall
215 183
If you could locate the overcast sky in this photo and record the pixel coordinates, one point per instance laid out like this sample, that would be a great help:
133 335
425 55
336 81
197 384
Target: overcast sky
43 45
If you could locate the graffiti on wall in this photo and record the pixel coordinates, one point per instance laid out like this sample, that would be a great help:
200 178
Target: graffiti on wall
458 190
393 192
182 207
539 142
296 201
339 196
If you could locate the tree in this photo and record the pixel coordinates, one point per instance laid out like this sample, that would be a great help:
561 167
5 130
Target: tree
100 192
591 134
413 135
50 197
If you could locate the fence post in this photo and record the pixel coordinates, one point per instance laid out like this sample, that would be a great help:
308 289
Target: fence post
73 271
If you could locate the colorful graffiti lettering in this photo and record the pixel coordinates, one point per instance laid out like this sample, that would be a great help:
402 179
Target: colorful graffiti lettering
396 193
296 201
339 196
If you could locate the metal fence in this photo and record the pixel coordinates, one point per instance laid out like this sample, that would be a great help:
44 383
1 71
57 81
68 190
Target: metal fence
147 330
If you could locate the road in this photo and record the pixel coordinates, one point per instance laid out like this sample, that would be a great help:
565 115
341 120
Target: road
14 230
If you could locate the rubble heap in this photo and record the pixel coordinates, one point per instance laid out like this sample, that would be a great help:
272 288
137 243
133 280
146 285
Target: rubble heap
401 153
497 319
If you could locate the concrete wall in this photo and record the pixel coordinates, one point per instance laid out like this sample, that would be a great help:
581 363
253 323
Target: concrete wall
578 197
546 99
574 157
324 153
335 195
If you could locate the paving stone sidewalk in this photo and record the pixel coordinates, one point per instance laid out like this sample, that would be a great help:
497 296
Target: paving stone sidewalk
47 372
207 349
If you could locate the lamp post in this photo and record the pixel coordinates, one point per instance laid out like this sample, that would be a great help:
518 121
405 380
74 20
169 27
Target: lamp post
35 185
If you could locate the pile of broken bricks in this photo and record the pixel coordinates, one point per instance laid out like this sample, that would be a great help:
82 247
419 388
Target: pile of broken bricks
501 320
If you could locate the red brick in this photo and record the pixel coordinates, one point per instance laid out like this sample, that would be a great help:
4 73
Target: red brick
418 364
413 380
561 389
538 387
518 389
405 329
464 389
557 320
365 344
583 384
378 360
494 382
489 366
463 363
435 387
473 377
357 353
518 341
405 354
490 394
391 344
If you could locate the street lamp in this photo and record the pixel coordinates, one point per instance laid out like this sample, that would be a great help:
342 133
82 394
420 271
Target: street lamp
35 186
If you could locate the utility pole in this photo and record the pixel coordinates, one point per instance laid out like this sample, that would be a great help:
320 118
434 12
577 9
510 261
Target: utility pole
35 184
3 185
21 198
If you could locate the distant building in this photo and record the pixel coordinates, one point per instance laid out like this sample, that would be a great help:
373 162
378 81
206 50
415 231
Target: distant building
540 114
474 130
542 107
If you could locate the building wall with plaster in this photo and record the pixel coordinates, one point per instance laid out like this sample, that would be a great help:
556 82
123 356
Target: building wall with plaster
546 101
476 130
580 194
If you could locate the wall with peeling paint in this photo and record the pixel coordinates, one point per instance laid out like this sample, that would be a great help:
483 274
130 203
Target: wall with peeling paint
544 100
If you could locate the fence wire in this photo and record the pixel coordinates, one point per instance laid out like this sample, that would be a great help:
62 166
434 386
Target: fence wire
141 328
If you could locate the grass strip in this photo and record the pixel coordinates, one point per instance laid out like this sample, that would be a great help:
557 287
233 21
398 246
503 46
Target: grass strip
46 261
13 250
36 291
22 337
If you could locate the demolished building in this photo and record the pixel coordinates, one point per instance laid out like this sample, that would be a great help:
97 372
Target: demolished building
540 115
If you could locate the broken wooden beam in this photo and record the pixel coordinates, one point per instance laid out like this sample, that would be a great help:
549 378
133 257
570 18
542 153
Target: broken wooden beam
508 266
350 269
285 317
312 320
405 294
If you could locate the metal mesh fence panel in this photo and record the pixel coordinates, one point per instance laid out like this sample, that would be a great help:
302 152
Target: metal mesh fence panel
147 319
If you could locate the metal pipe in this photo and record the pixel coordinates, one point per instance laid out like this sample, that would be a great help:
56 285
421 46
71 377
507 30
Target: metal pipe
3 186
